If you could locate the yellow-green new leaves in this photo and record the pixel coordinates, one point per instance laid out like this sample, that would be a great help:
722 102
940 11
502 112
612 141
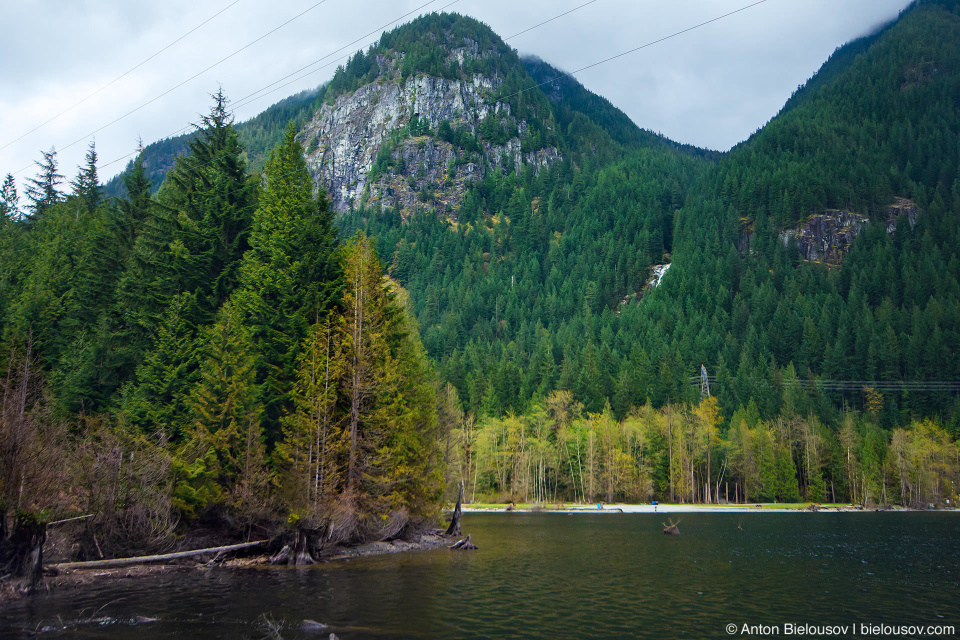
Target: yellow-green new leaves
361 446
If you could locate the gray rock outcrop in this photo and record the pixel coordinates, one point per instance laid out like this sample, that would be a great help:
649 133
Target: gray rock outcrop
345 140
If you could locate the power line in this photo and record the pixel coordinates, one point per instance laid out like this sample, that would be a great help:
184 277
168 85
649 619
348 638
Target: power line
196 75
820 384
118 78
246 99
253 96
520 33
260 93
634 50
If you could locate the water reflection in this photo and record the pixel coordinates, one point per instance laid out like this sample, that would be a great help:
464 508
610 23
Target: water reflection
554 576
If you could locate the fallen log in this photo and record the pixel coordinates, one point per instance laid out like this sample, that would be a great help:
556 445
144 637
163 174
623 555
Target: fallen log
125 562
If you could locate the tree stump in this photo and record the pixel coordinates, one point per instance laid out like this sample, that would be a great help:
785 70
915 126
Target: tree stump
21 556
464 544
297 554
283 557
454 528
301 549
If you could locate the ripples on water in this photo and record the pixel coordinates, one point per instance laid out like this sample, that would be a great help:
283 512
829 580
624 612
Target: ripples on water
554 576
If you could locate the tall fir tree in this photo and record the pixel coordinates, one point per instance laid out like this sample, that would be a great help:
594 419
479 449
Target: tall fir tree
86 186
290 276
9 200
225 408
212 200
43 190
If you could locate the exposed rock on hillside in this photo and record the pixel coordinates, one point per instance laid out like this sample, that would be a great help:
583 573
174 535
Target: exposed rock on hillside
408 139
828 236
389 141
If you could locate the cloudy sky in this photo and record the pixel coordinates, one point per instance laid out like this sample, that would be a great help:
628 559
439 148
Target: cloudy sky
70 67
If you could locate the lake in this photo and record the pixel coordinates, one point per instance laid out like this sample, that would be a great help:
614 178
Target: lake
546 575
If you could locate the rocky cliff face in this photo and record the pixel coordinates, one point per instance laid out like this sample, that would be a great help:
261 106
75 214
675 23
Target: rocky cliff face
828 236
379 143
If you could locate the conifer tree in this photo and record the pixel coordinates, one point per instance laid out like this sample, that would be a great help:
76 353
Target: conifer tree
9 200
164 380
148 280
86 185
42 190
311 451
289 278
225 409
390 439
212 200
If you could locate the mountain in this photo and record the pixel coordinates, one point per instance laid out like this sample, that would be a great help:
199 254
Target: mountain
873 142
861 163
572 102
432 108
542 182
546 280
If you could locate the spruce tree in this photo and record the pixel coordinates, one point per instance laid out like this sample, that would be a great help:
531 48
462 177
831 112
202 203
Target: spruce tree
225 407
164 380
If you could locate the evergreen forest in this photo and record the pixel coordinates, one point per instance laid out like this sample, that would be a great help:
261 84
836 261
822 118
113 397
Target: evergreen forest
214 356
210 347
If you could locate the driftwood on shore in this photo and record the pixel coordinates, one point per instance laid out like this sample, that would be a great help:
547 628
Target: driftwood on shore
464 544
125 562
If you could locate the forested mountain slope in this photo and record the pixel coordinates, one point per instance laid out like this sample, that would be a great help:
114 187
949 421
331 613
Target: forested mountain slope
525 292
515 282
886 126
569 272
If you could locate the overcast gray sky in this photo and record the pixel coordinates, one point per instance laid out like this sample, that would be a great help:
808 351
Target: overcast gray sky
710 87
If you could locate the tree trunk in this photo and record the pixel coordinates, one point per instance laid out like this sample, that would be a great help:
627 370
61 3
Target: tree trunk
301 550
21 556
454 528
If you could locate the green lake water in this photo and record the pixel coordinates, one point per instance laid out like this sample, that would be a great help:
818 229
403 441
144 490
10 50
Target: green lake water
557 576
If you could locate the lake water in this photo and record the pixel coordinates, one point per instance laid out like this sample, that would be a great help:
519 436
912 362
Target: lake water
558 576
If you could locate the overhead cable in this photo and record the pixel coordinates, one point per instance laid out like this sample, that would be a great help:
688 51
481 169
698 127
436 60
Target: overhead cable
194 76
120 77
